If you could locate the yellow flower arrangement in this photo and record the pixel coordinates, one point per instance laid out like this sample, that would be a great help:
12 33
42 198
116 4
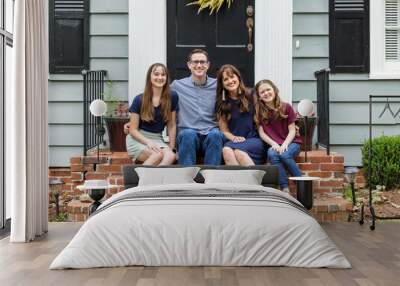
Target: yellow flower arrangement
213 5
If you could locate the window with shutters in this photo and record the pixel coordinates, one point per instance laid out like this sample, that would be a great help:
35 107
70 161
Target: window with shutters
68 36
349 36
392 30
385 39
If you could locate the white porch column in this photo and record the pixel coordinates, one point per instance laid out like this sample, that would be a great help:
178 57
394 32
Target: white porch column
147 40
273 44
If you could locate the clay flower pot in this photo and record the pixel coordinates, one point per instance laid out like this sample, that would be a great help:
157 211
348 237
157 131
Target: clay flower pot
311 123
116 135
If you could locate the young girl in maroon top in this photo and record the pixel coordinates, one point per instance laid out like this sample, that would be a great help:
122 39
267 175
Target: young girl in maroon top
276 126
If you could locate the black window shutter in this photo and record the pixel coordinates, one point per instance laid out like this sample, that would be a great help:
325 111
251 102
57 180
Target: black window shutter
349 36
68 36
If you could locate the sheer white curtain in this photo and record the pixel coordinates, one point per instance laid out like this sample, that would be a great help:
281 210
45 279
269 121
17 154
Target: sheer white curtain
26 116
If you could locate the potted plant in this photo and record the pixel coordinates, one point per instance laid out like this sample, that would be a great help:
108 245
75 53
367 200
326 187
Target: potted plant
116 116
311 123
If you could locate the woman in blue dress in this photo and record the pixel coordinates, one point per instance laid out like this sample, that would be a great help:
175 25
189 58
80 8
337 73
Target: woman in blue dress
235 113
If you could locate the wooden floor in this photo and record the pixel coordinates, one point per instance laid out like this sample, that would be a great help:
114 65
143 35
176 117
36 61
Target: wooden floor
375 257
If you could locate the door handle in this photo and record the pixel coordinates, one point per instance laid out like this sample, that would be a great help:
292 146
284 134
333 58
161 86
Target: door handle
250 11
250 25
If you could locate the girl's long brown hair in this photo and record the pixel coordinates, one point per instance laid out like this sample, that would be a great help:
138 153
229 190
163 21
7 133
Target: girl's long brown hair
263 112
147 108
223 108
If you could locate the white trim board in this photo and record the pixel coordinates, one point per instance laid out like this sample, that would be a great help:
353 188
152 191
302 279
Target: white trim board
273 42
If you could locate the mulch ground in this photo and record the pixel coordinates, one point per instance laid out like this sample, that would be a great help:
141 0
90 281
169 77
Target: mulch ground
386 203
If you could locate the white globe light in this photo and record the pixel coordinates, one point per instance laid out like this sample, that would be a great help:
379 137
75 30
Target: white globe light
305 107
98 107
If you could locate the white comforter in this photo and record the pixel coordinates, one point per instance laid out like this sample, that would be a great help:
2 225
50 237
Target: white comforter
204 230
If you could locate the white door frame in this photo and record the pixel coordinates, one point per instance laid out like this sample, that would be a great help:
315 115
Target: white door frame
273 42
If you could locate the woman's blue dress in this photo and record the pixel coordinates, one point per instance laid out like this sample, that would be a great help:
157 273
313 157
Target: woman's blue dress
242 124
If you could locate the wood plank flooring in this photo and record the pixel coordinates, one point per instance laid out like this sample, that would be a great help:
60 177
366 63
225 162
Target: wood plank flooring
375 257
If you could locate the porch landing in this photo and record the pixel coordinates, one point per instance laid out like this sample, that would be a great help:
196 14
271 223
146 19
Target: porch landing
329 204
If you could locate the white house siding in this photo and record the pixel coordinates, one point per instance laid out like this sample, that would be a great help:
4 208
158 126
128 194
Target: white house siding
108 51
349 93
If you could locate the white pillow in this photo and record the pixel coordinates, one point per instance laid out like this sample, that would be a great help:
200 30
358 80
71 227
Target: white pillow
248 177
166 176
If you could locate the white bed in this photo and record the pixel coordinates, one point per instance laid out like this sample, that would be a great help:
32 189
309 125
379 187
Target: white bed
203 225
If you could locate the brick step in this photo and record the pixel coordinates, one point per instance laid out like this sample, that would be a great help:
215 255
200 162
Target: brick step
326 209
331 209
59 172
327 167
78 211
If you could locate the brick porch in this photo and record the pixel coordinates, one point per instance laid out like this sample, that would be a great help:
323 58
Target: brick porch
328 202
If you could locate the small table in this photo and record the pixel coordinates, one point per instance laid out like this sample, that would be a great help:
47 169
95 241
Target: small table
96 191
305 190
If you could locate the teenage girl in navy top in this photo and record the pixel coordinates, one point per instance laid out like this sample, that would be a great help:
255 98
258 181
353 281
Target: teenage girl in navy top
235 112
150 113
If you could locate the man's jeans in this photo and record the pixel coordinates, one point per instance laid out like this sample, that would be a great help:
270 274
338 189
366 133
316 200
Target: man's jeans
189 142
285 159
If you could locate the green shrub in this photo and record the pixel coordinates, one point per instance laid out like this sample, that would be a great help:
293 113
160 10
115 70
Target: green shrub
348 194
61 217
385 163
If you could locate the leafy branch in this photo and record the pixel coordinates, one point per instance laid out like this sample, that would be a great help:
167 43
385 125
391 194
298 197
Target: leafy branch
115 107
213 5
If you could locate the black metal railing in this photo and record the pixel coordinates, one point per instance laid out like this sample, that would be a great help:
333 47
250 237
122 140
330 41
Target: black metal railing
93 88
322 77
395 114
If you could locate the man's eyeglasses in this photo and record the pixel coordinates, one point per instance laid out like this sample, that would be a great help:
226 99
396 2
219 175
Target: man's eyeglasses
201 62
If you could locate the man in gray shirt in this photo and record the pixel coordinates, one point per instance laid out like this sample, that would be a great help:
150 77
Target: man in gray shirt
197 126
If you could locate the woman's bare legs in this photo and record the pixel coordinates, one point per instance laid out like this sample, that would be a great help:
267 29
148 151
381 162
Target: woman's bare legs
149 157
229 156
168 157
243 158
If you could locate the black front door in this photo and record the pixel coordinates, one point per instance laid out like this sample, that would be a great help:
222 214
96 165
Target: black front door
227 36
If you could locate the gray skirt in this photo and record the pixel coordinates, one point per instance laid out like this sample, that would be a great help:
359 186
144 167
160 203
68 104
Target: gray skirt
134 147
